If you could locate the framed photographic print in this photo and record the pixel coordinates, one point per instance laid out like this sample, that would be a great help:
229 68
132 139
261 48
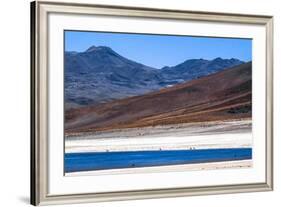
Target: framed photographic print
133 103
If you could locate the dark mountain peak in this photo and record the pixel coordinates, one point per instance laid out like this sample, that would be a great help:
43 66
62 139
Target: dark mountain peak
234 59
98 48
103 52
231 60
196 60
218 59
192 63
92 48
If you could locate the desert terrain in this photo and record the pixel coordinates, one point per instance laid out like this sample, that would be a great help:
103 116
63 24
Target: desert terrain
222 96
209 112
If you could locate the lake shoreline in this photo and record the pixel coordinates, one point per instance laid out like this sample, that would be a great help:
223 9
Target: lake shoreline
235 134
236 164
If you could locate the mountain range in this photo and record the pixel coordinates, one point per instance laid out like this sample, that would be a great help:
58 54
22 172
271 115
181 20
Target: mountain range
100 75
224 95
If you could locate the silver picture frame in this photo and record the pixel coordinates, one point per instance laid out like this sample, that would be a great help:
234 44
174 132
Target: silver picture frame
39 100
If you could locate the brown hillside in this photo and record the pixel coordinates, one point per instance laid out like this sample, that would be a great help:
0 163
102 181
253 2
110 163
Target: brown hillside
221 96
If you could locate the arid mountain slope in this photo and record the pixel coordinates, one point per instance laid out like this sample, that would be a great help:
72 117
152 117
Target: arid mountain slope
221 96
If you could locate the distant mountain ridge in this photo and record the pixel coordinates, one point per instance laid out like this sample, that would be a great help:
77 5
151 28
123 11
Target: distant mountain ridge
196 68
100 74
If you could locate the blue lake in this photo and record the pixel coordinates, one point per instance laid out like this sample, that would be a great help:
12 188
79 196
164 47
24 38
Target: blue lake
113 160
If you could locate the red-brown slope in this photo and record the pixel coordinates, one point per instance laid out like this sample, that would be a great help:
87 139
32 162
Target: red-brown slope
221 96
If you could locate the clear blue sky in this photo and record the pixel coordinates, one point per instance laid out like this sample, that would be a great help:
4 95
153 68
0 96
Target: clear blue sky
161 50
